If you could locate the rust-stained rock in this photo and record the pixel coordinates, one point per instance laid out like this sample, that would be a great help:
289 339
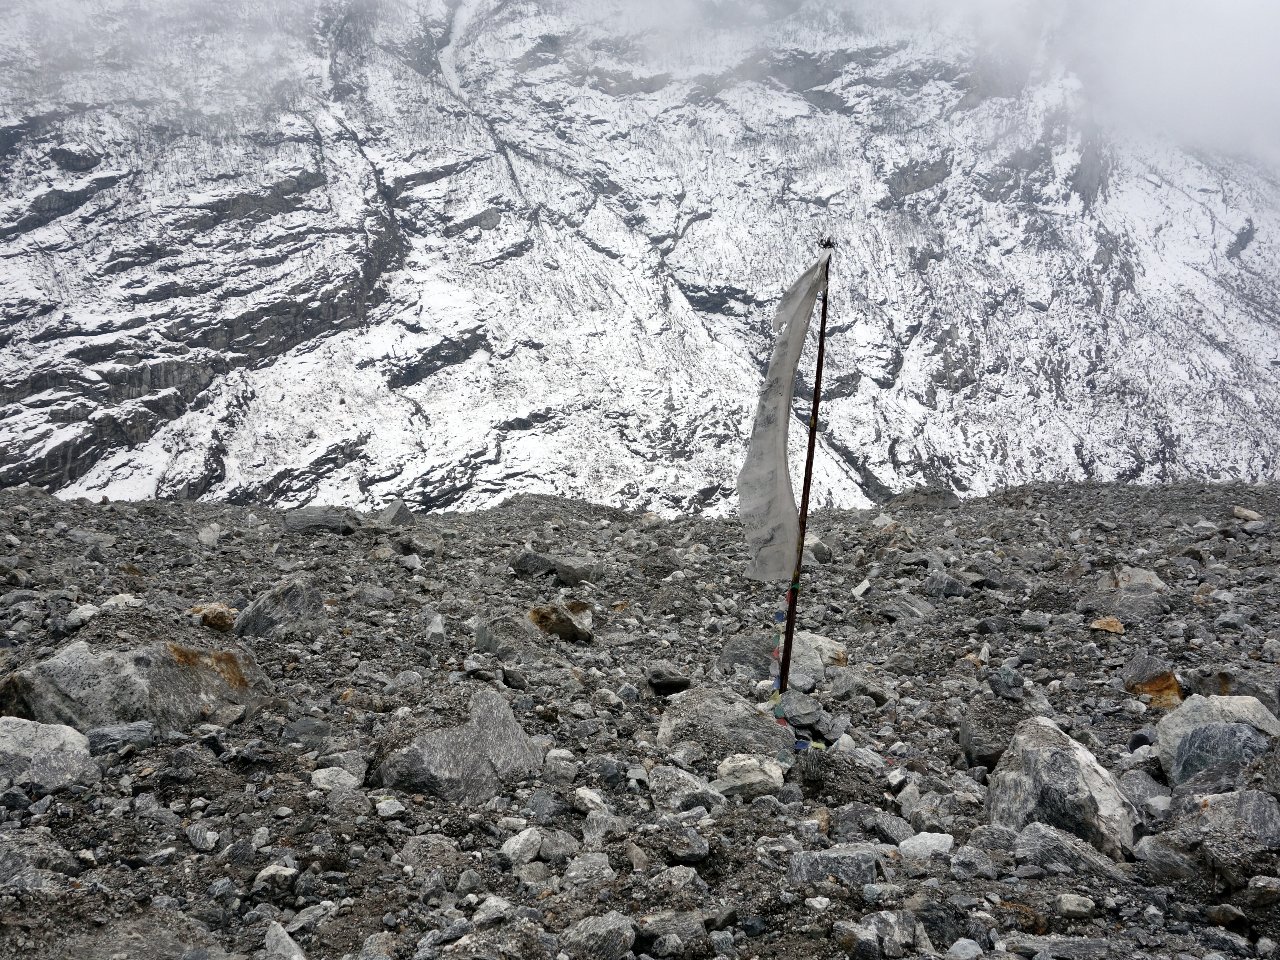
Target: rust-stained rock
1164 690
1108 625
568 622
173 685
216 616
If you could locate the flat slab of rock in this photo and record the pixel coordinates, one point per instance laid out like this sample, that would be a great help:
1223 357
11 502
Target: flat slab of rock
469 763
171 685
43 758
723 723
1046 777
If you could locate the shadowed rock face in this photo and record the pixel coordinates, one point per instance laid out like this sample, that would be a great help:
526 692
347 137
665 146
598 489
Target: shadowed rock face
456 252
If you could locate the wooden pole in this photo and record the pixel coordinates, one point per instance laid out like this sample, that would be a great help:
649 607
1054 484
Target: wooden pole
793 595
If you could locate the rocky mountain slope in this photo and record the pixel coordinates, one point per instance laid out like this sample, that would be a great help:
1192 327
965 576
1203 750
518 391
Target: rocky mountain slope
336 251
544 731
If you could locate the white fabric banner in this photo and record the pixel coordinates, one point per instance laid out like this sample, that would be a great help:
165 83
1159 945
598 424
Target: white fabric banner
766 499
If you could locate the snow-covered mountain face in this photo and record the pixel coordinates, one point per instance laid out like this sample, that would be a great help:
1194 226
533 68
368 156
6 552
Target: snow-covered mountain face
343 250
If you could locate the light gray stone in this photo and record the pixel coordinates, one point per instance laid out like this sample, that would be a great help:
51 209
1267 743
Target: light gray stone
43 758
1046 777
280 946
609 937
744 775
923 846
1198 711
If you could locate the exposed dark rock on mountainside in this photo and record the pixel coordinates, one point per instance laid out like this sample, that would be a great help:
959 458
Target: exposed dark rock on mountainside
345 250
1050 717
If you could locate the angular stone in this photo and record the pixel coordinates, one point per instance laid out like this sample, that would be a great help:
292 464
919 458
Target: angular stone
609 937
1042 845
924 846
170 685
333 778
571 622
290 607
665 678
1198 711
723 723
1227 747
280 946
743 775
140 733
1233 833
321 520
1047 777
857 682
851 864
32 860
43 758
469 763
674 789
395 514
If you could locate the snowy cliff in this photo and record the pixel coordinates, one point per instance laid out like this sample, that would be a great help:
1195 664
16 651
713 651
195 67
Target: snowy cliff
341 250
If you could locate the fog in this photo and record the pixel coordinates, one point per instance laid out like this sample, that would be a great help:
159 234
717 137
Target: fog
1203 72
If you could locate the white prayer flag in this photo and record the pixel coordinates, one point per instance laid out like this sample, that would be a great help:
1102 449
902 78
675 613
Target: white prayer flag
766 499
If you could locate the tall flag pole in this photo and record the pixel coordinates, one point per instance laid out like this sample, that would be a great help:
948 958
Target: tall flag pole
793 594
774 527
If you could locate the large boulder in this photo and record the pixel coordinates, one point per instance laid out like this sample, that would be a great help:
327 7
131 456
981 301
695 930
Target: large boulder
171 685
42 758
1197 713
1046 777
290 607
469 763
1236 834
723 723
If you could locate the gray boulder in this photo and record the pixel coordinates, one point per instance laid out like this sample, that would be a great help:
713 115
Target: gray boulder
1236 834
171 685
321 520
600 938
852 864
469 763
887 933
1042 845
1046 777
723 723
1226 747
1198 711
290 607
43 758
33 860
674 789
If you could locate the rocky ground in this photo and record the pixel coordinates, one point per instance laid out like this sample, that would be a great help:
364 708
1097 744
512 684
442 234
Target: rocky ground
544 730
